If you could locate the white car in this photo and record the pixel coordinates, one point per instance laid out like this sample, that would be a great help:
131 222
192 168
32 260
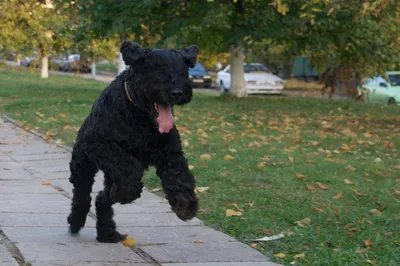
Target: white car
258 79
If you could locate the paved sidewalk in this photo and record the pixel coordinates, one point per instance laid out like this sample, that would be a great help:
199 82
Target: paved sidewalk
34 226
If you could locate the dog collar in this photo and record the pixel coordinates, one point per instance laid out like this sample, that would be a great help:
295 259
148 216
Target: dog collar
127 92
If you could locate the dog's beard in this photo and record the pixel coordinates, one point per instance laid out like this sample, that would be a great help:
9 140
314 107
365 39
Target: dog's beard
165 118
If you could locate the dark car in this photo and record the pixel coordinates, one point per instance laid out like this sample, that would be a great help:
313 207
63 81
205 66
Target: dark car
199 76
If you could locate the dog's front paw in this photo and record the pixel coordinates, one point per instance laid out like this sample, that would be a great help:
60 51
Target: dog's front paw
185 205
126 192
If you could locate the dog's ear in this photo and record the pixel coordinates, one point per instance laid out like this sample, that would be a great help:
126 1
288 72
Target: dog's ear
131 52
190 55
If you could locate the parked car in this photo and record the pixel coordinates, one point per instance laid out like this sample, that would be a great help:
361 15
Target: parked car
58 61
380 90
74 63
199 76
30 61
258 78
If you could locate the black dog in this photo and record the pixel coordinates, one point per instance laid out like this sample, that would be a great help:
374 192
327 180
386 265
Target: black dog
130 128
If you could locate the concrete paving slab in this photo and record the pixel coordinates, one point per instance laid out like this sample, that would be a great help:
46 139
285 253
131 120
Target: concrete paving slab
78 252
184 252
24 186
152 220
45 220
53 235
163 235
5 255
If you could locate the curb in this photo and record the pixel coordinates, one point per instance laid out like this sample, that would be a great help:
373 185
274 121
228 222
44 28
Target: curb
36 134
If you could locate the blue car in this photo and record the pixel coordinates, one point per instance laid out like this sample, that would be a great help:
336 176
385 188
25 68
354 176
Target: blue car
199 76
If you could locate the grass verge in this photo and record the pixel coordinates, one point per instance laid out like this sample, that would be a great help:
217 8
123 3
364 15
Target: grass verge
326 174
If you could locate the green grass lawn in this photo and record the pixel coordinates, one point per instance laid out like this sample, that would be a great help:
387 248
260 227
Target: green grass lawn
110 67
332 167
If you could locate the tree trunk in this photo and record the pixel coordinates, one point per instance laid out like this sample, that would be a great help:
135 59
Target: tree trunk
93 69
44 74
238 86
121 64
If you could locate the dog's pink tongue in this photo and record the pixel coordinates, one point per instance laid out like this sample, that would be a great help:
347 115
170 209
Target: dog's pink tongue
165 118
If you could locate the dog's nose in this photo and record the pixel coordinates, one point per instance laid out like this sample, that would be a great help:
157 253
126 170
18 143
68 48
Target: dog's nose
175 92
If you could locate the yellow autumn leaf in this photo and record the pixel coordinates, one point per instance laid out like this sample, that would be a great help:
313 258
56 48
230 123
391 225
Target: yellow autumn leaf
230 213
300 256
330 11
233 150
201 189
322 186
280 255
228 157
311 188
46 183
348 182
52 119
368 242
261 165
186 143
303 223
300 176
129 242
191 167
375 212
63 115
291 159
205 157
66 127
345 147
356 192
338 196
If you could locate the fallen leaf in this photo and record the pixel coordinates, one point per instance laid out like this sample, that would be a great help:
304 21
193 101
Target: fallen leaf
311 188
228 157
330 11
267 231
300 176
396 192
155 190
348 182
318 209
201 189
350 168
291 159
250 204
397 166
63 115
233 150
280 255
322 186
237 207
368 242
186 143
304 222
253 245
230 212
356 192
300 256
205 157
52 119
388 234
378 160
370 262
197 241
261 165
129 242
66 127
46 183
375 212
362 251
191 167
338 196
345 147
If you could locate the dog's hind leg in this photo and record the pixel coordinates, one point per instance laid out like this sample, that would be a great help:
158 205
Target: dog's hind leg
122 183
82 178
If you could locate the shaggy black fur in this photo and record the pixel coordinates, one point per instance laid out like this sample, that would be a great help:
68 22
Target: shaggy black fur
123 138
